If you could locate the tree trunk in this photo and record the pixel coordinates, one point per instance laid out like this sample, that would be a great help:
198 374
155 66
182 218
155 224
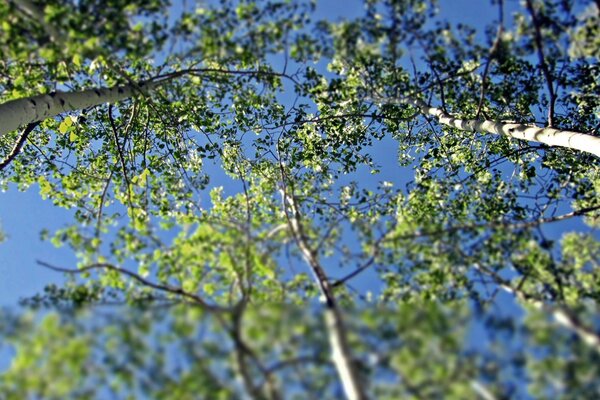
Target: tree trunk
550 136
341 353
19 112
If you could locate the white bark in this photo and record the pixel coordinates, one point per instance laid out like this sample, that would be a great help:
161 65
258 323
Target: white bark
589 337
550 136
482 391
561 317
341 353
19 112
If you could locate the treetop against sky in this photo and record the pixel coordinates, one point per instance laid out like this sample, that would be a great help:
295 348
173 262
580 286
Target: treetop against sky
286 201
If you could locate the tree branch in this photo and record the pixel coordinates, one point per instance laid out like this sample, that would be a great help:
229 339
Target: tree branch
19 145
562 315
499 224
543 64
120 153
101 205
491 55
583 142
178 291
334 322
367 264
17 112
243 351
456 228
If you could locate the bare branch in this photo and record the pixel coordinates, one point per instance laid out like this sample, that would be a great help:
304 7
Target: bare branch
543 64
491 55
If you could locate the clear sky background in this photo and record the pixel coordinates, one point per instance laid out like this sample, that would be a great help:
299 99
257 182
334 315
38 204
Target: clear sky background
23 214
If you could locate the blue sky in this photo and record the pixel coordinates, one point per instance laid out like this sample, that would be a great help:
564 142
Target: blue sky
23 214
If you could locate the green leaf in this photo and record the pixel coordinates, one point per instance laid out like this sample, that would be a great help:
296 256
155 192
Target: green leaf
77 60
65 125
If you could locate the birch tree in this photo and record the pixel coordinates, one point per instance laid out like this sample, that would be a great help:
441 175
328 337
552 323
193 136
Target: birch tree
225 157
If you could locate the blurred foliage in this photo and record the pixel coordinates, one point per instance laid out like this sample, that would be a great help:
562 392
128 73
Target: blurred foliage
169 350
188 200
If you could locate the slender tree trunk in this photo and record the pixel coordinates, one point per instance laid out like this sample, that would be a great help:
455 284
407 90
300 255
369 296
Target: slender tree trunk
341 351
550 136
562 316
19 112
341 354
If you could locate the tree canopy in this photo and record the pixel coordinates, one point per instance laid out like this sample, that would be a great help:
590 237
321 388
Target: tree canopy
279 204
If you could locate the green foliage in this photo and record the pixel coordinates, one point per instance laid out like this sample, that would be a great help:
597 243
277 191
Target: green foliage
409 351
276 147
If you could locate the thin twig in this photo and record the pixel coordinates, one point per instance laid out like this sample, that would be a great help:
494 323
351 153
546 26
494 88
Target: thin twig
120 154
366 265
101 205
452 229
499 224
202 71
491 56
561 314
543 64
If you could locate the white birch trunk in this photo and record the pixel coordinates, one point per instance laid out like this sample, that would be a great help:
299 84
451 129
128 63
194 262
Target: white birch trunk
561 317
19 112
550 136
341 353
